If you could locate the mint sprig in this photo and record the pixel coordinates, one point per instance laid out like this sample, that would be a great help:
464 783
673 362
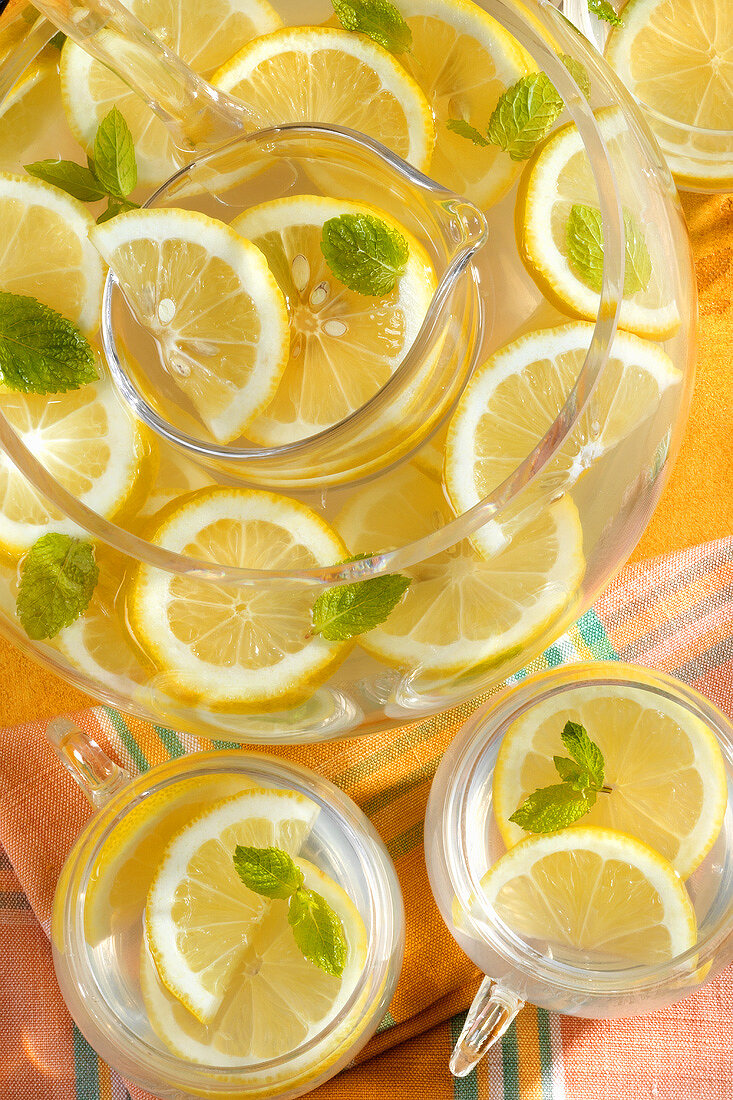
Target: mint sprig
364 253
603 10
345 610
465 129
584 241
379 19
57 580
41 351
317 928
582 777
110 172
524 115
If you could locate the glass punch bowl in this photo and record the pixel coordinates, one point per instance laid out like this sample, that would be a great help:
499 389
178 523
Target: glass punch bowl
504 547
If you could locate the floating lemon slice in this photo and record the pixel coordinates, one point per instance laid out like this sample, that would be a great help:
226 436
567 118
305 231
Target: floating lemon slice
99 643
89 442
676 58
558 177
343 345
203 32
320 74
663 765
210 301
44 250
277 1000
131 854
487 439
200 919
460 611
596 893
237 646
31 115
464 60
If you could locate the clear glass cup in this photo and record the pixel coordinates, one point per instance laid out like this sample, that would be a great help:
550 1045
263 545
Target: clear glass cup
600 497
101 983
462 842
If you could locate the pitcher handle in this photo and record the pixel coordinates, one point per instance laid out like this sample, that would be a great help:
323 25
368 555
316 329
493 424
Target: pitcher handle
86 762
489 1016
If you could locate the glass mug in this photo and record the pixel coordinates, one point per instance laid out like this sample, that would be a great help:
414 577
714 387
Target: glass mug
462 841
102 979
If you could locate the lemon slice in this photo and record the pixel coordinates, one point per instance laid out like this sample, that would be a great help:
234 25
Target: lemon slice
276 1001
203 32
320 74
460 611
99 643
200 919
85 439
676 58
44 251
487 439
602 896
343 346
663 765
212 305
176 477
130 855
464 60
558 177
237 647
31 115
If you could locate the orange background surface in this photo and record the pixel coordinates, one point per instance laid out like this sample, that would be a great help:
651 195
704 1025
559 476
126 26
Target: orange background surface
696 507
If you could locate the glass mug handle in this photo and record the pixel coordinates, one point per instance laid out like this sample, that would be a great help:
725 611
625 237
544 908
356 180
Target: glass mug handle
489 1016
90 767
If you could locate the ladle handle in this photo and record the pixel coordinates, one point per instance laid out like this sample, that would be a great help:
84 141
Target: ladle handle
491 1012
87 763
198 117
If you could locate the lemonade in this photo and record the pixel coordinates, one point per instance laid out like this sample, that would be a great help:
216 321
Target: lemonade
324 466
578 843
239 923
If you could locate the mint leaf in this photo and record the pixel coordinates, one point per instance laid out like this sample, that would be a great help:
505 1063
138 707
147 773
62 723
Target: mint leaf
114 156
576 740
466 130
268 871
584 240
70 177
553 808
603 10
378 19
57 579
571 772
348 609
364 253
578 72
41 351
318 931
524 115
638 269
115 207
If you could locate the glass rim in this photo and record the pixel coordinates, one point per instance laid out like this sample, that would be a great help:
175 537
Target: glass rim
386 916
499 713
463 526
685 127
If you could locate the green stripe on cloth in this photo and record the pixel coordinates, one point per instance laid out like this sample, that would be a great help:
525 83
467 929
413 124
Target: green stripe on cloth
510 1063
406 841
543 1039
593 633
136 753
171 742
464 1088
86 1067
